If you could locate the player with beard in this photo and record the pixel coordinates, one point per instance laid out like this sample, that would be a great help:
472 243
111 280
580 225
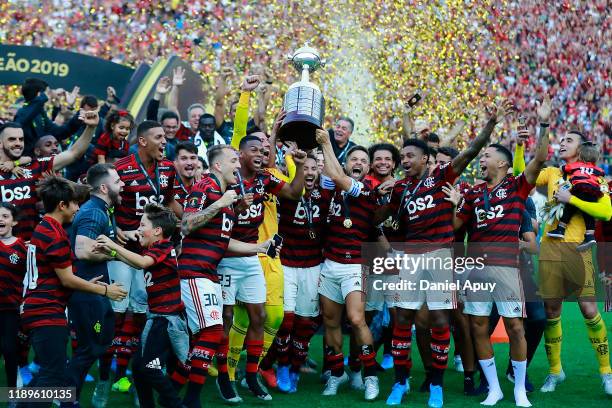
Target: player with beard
384 158
91 316
19 187
148 178
50 280
301 225
185 163
423 214
566 272
492 212
349 224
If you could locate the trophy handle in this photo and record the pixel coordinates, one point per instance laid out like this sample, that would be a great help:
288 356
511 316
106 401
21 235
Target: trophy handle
289 57
323 62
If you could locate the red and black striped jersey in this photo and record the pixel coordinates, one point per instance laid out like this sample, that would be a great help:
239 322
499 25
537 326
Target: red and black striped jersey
180 191
584 173
162 279
45 299
21 192
12 270
493 220
424 214
344 238
204 248
301 226
249 220
156 186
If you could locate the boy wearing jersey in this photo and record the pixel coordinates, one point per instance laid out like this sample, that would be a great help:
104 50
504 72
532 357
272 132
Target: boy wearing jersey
49 282
423 214
165 330
148 179
12 272
492 212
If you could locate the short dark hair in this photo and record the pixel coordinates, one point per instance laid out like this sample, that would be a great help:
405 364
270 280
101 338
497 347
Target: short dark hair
449 151
357 148
503 151
186 145
433 138
145 126
206 115
53 190
97 173
204 164
395 155
162 217
32 87
168 115
419 144
349 120
89 100
12 209
216 151
575 131
248 139
9 125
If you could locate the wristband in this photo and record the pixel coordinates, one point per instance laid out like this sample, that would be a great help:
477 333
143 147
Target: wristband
16 163
544 125
105 290
113 253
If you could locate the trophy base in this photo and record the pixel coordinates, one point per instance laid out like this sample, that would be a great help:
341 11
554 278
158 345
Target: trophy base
300 129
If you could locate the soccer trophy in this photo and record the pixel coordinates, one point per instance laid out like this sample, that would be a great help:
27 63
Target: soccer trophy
303 102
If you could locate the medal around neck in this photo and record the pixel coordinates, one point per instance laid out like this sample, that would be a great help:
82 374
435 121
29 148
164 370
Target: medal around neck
304 103
347 223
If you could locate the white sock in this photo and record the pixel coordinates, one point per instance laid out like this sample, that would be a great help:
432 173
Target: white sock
490 372
520 394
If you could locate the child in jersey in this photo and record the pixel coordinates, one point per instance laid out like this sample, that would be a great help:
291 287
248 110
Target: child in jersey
12 270
113 143
585 178
166 329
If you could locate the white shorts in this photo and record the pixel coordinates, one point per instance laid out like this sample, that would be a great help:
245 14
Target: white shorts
133 282
338 280
202 299
430 281
378 289
242 279
507 293
301 290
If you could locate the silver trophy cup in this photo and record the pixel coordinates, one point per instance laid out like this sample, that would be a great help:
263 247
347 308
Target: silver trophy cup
303 102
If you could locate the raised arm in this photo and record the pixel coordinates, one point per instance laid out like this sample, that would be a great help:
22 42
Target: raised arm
178 78
220 94
193 220
332 167
495 115
452 134
295 188
161 90
541 152
78 149
242 110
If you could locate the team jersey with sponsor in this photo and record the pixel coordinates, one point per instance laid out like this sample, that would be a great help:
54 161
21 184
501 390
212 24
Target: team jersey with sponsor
162 279
419 206
12 270
21 192
248 221
45 299
302 227
142 187
493 219
204 248
350 223
180 190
